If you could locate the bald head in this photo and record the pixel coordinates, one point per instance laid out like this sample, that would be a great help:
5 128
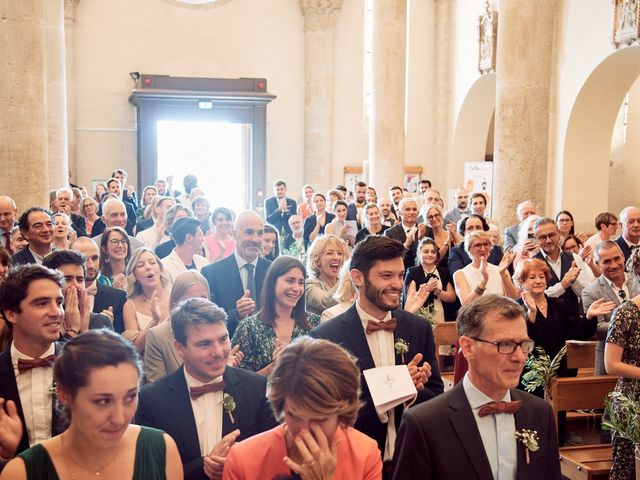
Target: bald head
248 231
8 213
89 249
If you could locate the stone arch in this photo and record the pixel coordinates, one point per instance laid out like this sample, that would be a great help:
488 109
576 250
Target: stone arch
587 147
473 125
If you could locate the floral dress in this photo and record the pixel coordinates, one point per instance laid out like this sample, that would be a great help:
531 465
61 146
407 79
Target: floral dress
624 331
257 340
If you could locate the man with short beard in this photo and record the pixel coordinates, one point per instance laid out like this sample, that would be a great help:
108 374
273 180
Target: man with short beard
372 326
102 298
387 217
354 209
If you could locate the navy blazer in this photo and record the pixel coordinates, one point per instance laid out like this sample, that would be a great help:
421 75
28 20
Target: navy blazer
166 405
397 233
310 223
440 439
280 220
346 330
9 391
569 296
111 297
225 286
459 258
22 257
624 247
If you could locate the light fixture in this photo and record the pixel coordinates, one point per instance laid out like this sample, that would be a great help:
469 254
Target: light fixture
205 104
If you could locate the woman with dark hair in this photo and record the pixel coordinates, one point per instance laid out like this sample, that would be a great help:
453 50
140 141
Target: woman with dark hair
372 222
97 377
341 227
99 191
315 223
315 389
622 359
115 251
220 244
89 210
282 317
441 300
270 243
573 244
565 223
201 206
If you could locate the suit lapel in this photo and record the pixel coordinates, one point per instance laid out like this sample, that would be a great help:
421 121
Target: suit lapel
354 333
231 387
261 271
234 273
181 405
554 277
9 391
608 291
466 428
566 259
524 420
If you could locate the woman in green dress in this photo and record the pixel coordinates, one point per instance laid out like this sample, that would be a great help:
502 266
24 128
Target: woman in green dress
282 318
97 377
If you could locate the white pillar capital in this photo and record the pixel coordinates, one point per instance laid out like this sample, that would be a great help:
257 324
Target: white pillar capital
320 14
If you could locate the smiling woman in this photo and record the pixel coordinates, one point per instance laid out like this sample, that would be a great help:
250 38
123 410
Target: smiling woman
282 317
97 377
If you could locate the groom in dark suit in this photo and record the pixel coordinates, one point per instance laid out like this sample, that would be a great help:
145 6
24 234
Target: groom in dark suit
470 431
235 282
372 329
205 405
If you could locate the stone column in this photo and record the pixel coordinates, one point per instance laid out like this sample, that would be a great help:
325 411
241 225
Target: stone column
386 120
23 103
319 20
69 50
525 57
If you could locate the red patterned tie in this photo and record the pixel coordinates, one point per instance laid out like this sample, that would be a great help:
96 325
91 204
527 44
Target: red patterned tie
389 326
197 392
492 408
26 365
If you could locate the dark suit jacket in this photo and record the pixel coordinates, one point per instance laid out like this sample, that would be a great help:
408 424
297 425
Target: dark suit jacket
111 297
397 233
459 259
440 440
280 220
23 257
144 224
166 405
624 247
352 214
9 391
416 274
346 330
79 224
569 296
164 249
310 223
226 288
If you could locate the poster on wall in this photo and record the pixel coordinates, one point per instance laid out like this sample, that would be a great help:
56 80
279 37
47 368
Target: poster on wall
478 177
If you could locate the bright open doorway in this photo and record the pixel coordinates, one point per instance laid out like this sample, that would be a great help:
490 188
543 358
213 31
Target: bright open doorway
216 152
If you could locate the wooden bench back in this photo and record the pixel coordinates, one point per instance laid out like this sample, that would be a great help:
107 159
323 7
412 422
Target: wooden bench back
445 333
581 354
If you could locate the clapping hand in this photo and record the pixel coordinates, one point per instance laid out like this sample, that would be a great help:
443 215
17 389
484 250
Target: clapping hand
419 375
10 428
507 259
531 305
415 299
320 457
570 276
235 356
245 304
214 462
600 307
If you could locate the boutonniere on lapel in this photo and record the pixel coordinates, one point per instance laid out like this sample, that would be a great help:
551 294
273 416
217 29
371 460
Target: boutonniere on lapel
402 347
229 405
528 438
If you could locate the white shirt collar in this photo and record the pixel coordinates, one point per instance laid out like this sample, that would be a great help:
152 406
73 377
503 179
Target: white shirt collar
242 262
194 382
17 354
476 397
365 317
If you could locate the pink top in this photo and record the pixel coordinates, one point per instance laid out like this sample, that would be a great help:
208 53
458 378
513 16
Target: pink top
358 457
304 210
215 249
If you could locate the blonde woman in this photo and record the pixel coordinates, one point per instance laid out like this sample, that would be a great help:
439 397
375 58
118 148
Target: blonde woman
324 261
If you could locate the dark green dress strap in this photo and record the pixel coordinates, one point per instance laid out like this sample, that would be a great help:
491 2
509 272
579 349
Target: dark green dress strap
151 455
38 464
150 461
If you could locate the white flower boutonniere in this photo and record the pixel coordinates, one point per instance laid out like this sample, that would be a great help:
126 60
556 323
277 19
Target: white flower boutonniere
229 405
528 438
402 347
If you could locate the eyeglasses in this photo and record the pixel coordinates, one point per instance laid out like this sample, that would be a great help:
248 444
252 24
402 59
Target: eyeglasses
481 245
115 242
434 216
507 347
551 236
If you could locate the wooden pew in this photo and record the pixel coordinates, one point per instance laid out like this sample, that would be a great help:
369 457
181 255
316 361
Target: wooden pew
581 354
444 333
586 462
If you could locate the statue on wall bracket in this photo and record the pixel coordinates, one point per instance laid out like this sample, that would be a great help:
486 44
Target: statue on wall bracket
626 24
488 40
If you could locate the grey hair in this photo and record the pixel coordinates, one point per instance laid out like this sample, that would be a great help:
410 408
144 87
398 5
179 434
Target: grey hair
471 316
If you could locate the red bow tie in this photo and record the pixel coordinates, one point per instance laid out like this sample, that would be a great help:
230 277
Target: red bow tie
492 408
26 365
196 392
389 326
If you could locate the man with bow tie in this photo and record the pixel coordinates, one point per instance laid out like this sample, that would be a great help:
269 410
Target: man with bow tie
373 327
205 405
31 306
472 430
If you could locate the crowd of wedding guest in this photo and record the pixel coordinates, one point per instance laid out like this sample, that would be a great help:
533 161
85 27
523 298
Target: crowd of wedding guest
139 333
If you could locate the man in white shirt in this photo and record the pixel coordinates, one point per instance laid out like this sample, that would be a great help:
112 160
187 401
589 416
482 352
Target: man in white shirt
470 431
31 302
188 403
37 228
156 234
187 234
630 238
